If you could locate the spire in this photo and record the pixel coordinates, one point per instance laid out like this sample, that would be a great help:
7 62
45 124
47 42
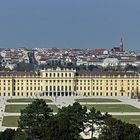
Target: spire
121 45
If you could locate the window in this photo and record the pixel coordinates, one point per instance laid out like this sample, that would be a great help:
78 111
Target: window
50 74
54 88
65 88
46 88
14 93
62 88
50 88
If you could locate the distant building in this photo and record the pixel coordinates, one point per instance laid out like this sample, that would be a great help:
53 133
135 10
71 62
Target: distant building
112 62
120 48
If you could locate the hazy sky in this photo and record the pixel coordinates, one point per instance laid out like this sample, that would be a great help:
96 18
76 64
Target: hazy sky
69 23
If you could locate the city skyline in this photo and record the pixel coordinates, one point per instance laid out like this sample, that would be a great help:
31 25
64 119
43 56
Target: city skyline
69 24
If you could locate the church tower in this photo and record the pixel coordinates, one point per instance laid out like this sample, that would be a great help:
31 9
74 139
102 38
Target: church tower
121 45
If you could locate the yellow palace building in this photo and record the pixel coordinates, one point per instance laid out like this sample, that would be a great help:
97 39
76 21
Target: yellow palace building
68 82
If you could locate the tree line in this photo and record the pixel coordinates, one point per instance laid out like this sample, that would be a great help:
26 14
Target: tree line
37 122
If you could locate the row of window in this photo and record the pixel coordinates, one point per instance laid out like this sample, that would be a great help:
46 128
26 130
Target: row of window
59 81
106 94
108 81
58 88
101 88
27 88
58 75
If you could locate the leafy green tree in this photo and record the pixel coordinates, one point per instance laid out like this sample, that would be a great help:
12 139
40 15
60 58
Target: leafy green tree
34 118
20 135
76 116
58 128
114 129
8 134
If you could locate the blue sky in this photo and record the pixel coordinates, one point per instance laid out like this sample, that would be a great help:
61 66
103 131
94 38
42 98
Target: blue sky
70 23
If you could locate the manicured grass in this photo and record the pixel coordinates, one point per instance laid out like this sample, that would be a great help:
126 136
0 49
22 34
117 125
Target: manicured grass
133 119
24 100
17 108
10 121
96 100
114 107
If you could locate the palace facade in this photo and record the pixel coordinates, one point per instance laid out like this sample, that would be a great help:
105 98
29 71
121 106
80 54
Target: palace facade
68 82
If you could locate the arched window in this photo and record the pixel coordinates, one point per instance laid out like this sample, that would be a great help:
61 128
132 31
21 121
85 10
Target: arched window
54 88
62 88
65 74
50 88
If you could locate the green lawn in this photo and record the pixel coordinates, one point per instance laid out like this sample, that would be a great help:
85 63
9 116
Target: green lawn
133 119
10 121
24 100
114 107
17 108
96 100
